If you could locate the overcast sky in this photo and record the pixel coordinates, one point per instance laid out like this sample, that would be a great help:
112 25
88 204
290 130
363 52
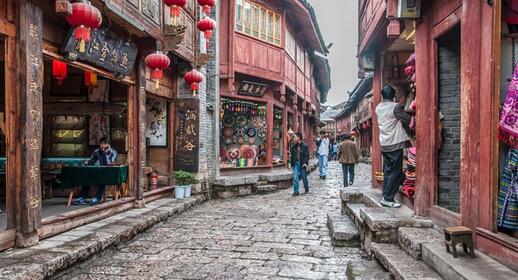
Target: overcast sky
338 20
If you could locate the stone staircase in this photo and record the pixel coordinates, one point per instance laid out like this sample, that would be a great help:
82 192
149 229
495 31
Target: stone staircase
409 247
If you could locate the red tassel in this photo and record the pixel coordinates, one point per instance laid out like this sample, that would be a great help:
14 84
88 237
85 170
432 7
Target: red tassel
82 33
156 74
206 9
208 34
175 11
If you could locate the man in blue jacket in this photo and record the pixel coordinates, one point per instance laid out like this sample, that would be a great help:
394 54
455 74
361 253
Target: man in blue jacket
103 156
299 163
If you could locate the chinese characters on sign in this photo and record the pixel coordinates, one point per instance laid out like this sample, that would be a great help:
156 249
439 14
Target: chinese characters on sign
105 50
252 89
186 132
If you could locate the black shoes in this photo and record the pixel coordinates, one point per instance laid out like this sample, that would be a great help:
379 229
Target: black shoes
295 193
306 190
323 177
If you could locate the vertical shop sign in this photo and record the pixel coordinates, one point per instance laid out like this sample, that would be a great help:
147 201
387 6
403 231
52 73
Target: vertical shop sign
186 133
31 101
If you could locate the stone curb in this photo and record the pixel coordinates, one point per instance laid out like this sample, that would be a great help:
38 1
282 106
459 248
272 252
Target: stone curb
57 253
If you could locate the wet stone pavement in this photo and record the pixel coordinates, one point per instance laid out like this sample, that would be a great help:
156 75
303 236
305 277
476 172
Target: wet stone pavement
273 236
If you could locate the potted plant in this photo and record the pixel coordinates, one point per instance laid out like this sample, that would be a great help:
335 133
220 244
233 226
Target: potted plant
183 183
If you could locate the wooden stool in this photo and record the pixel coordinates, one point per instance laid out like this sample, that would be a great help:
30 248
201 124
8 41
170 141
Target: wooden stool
459 235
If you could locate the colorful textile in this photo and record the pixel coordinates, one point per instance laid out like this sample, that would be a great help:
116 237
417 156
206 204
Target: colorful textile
508 193
508 129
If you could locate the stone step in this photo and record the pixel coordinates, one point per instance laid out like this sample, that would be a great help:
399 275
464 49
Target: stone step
411 239
353 211
262 183
342 231
366 270
263 189
401 265
378 219
464 267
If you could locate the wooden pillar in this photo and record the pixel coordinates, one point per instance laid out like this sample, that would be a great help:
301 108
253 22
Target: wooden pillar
489 114
137 134
269 121
376 148
285 143
426 118
31 123
12 121
470 109
141 112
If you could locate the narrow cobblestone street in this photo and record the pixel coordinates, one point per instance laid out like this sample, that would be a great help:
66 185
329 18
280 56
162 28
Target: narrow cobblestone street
273 236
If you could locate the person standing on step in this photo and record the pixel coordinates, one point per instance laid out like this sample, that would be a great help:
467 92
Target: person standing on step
348 156
299 163
392 119
323 153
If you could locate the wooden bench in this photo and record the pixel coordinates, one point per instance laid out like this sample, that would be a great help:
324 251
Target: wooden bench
459 235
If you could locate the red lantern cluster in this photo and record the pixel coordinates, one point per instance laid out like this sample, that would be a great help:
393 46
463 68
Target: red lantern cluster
84 17
207 25
207 5
174 7
194 78
157 62
59 71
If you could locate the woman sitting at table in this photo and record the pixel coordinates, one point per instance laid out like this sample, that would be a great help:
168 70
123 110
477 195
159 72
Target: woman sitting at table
103 156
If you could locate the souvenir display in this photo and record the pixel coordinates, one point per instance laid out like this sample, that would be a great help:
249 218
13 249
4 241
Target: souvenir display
228 121
251 132
227 132
244 131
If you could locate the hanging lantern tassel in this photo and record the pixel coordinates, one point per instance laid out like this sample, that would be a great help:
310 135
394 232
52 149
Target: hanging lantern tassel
82 35
84 17
157 75
194 78
174 8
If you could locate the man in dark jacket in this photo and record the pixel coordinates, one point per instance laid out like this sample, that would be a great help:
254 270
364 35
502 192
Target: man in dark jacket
104 156
299 163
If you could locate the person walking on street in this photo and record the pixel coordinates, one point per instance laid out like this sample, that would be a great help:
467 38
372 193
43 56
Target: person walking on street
335 150
392 119
348 156
323 153
299 163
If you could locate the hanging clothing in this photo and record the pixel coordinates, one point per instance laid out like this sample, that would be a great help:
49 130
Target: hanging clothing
508 193
508 128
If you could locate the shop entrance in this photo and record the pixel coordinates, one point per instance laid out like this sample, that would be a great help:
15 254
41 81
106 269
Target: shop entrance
85 139
399 72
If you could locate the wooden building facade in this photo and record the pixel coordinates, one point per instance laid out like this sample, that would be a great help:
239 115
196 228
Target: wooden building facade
50 122
274 75
462 70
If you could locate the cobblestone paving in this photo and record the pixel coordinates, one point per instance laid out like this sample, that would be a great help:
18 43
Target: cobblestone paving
273 236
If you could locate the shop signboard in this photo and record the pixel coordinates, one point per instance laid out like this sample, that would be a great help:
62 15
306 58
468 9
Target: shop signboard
106 50
252 89
186 135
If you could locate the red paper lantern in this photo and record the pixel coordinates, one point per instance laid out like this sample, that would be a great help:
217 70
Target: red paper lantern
207 25
84 17
59 71
194 78
207 5
174 8
157 62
